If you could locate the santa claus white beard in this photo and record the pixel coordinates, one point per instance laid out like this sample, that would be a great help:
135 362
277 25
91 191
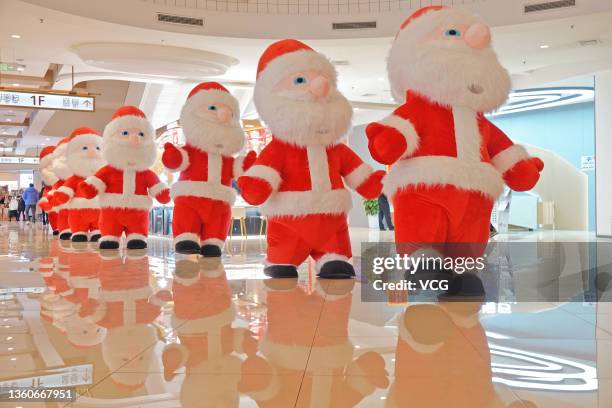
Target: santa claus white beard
300 119
473 79
212 137
48 176
85 166
61 169
125 156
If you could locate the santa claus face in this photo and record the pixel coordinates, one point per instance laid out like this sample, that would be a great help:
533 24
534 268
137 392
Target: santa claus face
60 164
304 108
129 148
84 155
446 56
212 125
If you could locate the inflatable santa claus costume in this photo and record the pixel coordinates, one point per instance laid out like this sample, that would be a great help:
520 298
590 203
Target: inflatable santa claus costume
126 184
203 195
450 161
84 158
49 178
62 173
300 176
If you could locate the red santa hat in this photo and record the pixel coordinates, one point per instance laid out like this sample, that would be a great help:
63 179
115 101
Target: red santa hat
46 156
210 93
127 117
290 56
82 134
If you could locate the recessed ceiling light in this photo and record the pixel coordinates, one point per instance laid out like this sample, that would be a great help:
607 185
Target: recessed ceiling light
20 69
15 84
9 119
15 36
47 139
544 46
43 144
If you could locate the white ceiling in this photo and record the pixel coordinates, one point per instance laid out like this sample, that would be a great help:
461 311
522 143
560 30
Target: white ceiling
49 36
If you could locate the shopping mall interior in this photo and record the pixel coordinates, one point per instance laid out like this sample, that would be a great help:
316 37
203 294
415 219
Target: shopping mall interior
236 273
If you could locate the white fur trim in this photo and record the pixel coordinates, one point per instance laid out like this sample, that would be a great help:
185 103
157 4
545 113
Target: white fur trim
80 203
66 190
97 183
109 238
506 159
237 166
318 167
94 232
187 236
133 236
213 241
65 231
443 170
294 62
157 188
201 325
266 173
406 129
184 160
127 122
115 200
328 258
127 295
45 161
79 233
360 174
467 134
204 189
296 203
293 356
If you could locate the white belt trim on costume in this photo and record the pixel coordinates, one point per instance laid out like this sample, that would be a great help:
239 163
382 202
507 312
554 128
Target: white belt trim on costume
203 189
78 203
296 203
131 201
203 324
431 171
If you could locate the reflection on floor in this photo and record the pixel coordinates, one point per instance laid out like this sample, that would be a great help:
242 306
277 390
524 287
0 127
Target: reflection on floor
148 329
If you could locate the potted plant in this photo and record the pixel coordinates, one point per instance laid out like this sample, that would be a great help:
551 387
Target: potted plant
371 210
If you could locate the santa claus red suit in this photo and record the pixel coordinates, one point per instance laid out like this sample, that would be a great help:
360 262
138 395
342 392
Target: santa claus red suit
126 184
62 172
300 175
84 158
49 179
203 194
202 317
450 161
334 375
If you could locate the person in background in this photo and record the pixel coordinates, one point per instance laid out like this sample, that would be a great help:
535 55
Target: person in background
30 196
43 215
3 204
13 206
21 209
384 211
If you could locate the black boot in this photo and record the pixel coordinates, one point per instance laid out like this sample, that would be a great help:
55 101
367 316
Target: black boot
336 270
210 251
65 236
281 271
187 247
79 238
95 238
109 245
55 232
136 244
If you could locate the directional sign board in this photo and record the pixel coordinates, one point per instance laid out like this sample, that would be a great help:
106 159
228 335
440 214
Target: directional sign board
18 160
45 100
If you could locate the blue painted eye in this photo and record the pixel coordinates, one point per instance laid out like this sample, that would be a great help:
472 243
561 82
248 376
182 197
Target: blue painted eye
299 80
212 108
452 33
141 134
125 133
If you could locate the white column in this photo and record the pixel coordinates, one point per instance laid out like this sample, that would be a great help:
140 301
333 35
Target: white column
603 152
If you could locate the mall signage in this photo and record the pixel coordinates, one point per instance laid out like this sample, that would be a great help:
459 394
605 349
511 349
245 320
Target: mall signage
18 160
46 100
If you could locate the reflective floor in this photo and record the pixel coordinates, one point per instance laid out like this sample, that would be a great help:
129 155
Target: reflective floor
151 329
